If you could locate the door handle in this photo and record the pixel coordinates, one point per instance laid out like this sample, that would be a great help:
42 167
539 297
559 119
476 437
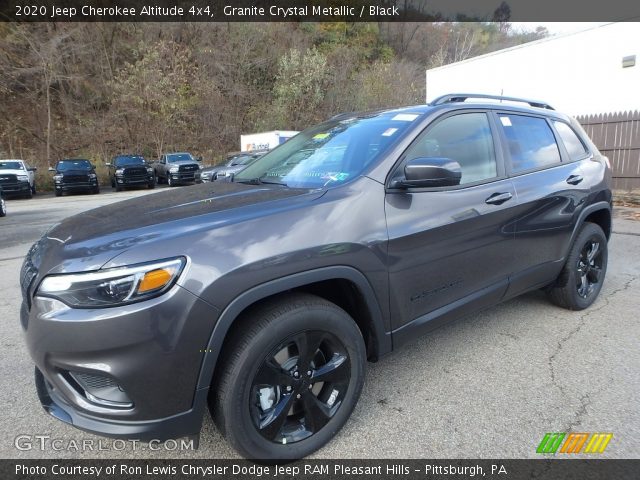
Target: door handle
498 198
574 179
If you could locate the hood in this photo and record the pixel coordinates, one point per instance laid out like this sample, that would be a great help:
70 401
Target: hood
88 240
12 172
182 162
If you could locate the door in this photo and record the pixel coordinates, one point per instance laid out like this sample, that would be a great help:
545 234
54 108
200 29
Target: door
549 185
450 247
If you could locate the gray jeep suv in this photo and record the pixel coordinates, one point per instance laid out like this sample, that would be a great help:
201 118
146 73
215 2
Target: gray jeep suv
264 297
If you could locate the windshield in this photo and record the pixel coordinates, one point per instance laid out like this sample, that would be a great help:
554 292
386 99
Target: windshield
127 161
177 157
11 166
65 165
330 153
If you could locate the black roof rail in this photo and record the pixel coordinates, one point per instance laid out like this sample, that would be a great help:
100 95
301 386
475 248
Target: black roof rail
461 97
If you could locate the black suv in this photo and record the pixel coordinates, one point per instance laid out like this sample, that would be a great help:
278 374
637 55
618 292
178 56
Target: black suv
75 175
264 297
130 171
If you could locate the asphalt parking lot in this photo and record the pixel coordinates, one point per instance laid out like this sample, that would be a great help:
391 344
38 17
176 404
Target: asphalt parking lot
488 386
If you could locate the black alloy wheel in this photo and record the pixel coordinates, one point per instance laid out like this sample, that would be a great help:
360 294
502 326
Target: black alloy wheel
292 371
300 386
582 276
589 268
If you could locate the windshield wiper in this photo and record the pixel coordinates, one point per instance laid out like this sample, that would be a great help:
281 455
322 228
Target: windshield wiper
259 181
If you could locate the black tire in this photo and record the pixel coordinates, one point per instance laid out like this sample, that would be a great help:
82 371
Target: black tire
3 207
118 188
152 185
33 189
29 193
170 182
312 411
58 192
582 276
95 190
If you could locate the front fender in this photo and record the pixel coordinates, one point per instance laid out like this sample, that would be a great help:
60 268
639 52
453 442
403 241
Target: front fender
260 292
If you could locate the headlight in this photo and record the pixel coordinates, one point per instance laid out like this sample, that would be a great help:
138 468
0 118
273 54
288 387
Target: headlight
112 287
120 171
23 178
93 176
149 170
174 169
57 178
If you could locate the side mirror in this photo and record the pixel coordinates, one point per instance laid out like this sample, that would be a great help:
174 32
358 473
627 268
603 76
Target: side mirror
198 159
51 169
427 172
32 169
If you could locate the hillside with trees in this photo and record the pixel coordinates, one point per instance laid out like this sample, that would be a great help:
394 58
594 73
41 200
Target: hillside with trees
96 89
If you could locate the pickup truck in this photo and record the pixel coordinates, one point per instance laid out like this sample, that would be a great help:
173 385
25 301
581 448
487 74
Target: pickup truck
177 169
17 178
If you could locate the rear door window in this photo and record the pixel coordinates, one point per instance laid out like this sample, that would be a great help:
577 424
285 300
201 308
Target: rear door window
573 144
530 142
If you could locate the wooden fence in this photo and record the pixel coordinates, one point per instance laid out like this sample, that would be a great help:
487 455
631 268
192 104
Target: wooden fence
617 135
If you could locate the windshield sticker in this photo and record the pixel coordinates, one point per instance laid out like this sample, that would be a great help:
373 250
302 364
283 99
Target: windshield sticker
506 121
320 136
389 131
406 117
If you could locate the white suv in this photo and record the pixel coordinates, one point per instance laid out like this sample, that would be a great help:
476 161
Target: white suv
17 178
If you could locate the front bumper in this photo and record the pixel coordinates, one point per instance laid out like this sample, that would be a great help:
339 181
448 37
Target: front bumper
183 424
73 187
18 188
135 181
152 349
185 177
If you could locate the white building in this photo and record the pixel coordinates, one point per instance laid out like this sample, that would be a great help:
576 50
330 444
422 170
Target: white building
588 72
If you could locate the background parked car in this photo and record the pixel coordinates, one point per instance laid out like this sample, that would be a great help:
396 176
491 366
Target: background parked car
130 171
234 163
177 169
3 205
75 174
17 178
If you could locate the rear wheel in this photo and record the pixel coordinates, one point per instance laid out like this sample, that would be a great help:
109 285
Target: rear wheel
292 376
582 276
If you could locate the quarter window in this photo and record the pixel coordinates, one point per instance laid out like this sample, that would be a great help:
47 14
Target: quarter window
531 142
573 144
465 138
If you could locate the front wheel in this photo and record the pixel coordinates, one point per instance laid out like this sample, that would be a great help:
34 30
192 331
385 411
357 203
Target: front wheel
582 276
294 369
3 207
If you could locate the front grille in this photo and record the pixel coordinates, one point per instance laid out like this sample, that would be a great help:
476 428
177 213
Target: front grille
7 179
135 171
188 168
27 274
75 178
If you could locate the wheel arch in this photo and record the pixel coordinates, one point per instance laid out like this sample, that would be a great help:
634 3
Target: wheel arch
345 286
599 213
